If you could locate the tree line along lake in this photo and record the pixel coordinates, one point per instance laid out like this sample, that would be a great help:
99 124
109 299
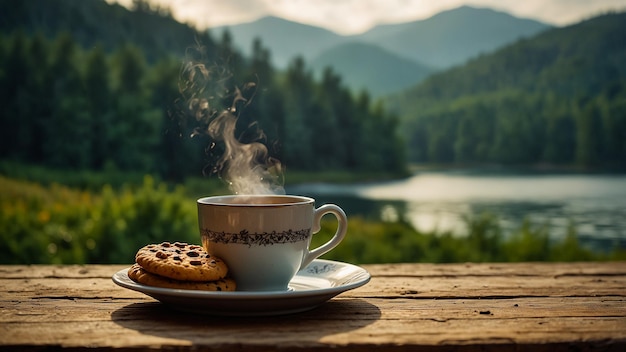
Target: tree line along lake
440 201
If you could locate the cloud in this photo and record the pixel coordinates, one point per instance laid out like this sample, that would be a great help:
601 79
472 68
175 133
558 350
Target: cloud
344 16
557 12
211 13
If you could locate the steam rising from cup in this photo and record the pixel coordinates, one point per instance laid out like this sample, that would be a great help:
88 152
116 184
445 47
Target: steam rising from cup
246 166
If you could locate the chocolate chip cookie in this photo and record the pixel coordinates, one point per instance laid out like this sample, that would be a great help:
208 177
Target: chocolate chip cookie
181 261
139 274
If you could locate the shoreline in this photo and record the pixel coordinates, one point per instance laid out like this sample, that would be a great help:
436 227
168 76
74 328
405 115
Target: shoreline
538 168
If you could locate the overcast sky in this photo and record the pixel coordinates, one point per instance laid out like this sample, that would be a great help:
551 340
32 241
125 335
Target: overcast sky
356 16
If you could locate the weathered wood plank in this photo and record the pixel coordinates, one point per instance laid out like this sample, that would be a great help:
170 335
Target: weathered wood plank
378 270
341 308
126 331
391 287
468 286
500 269
59 271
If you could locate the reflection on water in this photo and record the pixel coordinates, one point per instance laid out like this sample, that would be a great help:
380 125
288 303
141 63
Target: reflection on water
594 204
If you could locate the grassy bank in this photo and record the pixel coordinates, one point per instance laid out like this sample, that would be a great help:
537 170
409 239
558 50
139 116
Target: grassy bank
58 224
194 186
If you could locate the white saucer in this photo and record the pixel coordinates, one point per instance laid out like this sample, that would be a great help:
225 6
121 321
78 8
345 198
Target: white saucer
318 282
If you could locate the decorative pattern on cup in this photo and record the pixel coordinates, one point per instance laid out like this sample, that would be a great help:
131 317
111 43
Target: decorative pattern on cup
257 239
321 269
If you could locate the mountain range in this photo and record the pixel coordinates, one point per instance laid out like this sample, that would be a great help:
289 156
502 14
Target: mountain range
404 53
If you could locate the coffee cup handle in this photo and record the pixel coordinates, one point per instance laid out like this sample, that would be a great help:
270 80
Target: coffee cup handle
342 226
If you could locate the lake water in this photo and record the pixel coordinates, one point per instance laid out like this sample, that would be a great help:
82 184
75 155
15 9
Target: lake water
594 204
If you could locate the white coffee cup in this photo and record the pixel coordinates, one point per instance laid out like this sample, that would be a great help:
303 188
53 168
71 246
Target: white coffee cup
264 239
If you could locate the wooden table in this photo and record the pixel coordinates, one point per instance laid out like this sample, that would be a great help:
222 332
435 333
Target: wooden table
541 307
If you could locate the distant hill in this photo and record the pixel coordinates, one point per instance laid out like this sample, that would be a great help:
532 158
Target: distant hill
559 97
369 67
285 39
452 37
577 60
448 38
397 56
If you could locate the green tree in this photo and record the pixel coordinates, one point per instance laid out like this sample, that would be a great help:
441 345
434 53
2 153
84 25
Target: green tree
136 123
99 105
297 137
14 68
67 134
266 110
588 135
329 151
388 149
177 156
560 141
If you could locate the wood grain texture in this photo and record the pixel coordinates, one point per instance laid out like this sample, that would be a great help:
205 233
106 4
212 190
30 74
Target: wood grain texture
456 307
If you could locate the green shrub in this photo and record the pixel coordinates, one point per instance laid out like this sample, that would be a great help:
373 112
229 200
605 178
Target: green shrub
126 221
42 224
379 242
56 224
